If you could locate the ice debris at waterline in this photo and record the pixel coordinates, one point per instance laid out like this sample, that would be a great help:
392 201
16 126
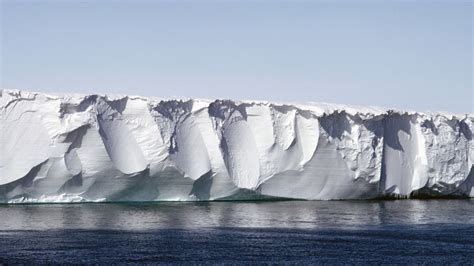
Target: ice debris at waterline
72 148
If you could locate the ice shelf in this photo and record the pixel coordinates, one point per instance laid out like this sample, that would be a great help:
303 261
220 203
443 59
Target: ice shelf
68 148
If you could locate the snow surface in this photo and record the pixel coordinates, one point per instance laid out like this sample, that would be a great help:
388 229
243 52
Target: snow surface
69 148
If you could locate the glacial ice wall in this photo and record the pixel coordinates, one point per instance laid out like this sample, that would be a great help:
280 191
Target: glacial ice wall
125 148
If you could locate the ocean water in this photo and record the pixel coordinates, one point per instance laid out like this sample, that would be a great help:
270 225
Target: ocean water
397 231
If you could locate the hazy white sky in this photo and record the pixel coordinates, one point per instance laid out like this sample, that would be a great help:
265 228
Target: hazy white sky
402 54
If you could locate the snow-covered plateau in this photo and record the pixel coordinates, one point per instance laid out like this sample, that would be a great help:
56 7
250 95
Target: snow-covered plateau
75 148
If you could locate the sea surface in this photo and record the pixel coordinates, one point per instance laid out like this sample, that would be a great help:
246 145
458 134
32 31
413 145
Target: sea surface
374 232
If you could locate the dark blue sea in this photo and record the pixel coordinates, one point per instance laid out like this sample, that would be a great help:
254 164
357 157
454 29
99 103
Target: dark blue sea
333 232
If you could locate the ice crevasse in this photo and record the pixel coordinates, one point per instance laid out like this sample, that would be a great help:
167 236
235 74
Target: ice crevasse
69 147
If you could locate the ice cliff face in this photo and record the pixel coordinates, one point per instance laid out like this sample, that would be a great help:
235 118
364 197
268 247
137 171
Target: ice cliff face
123 148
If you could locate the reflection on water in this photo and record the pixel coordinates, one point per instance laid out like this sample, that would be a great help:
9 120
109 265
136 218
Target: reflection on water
280 214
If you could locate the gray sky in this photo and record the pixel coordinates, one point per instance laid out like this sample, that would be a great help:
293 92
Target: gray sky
402 54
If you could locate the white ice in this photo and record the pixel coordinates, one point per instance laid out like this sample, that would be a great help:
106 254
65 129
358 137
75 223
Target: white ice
66 148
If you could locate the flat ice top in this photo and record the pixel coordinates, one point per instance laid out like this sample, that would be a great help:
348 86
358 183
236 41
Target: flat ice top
317 108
